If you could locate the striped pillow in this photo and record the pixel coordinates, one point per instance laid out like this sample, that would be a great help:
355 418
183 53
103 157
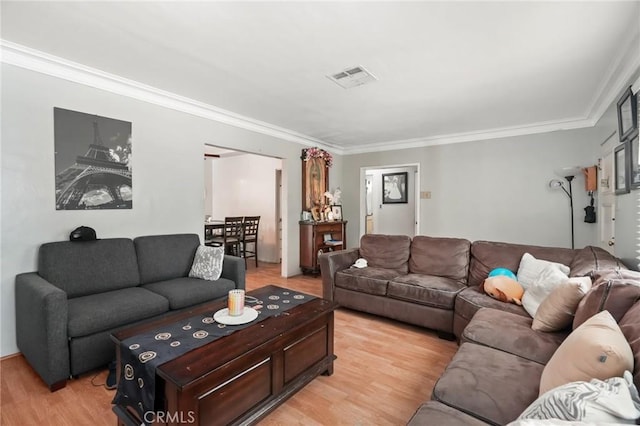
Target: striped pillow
613 400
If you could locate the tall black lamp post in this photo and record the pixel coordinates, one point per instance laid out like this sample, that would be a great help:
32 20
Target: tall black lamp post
569 173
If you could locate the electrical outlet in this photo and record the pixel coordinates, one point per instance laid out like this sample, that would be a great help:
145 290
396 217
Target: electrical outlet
425 195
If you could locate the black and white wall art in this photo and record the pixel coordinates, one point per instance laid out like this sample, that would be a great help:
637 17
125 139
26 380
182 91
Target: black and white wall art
394 188
92 161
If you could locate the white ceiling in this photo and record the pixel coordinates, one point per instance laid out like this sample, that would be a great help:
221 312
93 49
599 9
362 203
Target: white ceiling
448 71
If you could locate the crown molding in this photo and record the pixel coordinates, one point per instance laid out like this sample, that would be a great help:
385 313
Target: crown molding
619 76
44 63
24 57
530 129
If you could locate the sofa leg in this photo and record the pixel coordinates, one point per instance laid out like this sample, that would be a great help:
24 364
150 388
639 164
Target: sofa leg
58 385
446 336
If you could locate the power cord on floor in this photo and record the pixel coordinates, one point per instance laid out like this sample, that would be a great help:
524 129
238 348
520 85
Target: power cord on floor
110 383
97 384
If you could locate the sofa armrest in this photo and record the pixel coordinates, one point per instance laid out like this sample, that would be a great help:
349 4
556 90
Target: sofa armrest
233 268
332 262
41 327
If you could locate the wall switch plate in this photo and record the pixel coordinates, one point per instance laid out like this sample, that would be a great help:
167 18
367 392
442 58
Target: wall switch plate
425 195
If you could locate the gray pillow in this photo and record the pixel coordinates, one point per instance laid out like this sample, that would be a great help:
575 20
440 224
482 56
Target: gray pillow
207 263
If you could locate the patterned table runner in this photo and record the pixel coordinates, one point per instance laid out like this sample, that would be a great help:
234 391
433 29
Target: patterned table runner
141 354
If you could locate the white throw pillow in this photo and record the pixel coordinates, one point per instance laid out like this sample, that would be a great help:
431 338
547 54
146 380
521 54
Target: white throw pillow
549 278
207 263
614 400
530 269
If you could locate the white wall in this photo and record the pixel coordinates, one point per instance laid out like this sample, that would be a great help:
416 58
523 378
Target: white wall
627 224
208 190
245 185
492 190
168 174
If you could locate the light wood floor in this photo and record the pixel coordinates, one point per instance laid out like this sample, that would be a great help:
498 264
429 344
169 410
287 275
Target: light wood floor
384 371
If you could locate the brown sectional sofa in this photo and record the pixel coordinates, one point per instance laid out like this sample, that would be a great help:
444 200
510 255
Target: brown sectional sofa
414 281
433 282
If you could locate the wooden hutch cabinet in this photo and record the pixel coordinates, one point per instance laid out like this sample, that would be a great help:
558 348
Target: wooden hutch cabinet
317 238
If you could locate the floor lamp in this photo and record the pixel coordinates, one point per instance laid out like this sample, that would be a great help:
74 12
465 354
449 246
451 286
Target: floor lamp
569 173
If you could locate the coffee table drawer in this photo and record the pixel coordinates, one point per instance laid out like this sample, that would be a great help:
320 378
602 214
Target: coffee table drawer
231 399
304 353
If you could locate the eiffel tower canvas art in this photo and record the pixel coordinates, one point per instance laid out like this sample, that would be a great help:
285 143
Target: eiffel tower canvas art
92 161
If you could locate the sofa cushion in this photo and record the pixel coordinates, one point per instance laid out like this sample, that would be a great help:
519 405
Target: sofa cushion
613 291
207 264
557 310
550 278
492 385
471 299
87 267
441 257
436 413
367 280
386 251
593 258
530 269
183 292
490 326
164 257
595 350
427 290
630 326
104 311
488 255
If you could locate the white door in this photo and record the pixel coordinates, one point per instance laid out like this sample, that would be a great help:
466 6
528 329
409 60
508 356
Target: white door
606 196
368 218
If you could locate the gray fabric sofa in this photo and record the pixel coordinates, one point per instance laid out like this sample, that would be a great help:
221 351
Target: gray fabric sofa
83 291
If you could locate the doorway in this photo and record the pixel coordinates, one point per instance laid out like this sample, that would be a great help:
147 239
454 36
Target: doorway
245 184
606 196
390 212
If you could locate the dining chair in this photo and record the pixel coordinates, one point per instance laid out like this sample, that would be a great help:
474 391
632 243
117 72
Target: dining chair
232 235
250 236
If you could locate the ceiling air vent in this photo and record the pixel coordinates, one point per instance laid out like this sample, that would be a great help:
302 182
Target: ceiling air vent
352 77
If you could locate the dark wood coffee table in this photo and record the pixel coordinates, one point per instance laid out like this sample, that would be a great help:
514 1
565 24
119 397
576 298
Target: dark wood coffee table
240 378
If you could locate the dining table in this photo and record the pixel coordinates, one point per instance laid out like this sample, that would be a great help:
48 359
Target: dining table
213 228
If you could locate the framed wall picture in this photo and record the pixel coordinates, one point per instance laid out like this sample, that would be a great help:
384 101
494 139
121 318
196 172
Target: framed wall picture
93 162
394 188
634 160
627 114
315 182
621 168
337 212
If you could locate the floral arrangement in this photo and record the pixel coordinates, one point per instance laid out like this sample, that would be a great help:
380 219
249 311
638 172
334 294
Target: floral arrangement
315 152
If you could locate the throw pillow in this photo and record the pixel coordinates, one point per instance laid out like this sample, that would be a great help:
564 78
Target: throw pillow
207 264
557 309
549 278
595 350
614 400
530 269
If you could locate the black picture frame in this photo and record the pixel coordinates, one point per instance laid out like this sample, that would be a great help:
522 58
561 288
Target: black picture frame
621 168
394 188
634 160
627 107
